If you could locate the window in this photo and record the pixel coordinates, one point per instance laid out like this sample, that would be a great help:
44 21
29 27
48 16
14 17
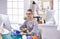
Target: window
56 11
15 11
59 14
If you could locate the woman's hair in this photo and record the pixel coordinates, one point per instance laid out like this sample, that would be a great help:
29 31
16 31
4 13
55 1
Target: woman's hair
30 11
34 2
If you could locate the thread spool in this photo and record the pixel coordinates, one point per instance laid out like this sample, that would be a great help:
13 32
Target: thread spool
24 37
34 37
20 37
29 37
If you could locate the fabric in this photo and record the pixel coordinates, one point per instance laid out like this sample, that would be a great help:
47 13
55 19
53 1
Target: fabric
1 29
29 37
50 17
8 36
5 20
34 9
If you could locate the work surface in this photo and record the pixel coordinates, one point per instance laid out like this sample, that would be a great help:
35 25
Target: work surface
49 31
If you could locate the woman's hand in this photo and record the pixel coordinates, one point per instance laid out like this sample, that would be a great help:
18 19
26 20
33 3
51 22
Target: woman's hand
30 33
24 29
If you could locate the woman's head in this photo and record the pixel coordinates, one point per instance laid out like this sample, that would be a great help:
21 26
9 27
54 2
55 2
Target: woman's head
29 14
33 2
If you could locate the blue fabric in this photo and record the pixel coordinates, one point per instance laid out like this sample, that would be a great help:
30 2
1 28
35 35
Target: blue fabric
15 32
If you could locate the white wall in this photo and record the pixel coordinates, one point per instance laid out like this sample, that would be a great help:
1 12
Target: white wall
26 5
3 6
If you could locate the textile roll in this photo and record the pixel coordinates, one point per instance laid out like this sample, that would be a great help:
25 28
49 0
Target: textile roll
34 37
29 37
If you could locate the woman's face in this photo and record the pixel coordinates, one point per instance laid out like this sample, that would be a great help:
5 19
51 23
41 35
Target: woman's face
29 14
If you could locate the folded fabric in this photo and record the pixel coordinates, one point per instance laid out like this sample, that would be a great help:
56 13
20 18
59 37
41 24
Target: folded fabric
15 33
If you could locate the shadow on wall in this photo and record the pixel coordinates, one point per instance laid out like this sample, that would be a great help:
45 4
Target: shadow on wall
3 6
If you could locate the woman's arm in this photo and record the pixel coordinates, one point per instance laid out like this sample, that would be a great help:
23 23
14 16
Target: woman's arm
23 26
0 36
35 28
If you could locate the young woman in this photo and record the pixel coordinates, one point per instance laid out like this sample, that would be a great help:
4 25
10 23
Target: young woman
30 24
